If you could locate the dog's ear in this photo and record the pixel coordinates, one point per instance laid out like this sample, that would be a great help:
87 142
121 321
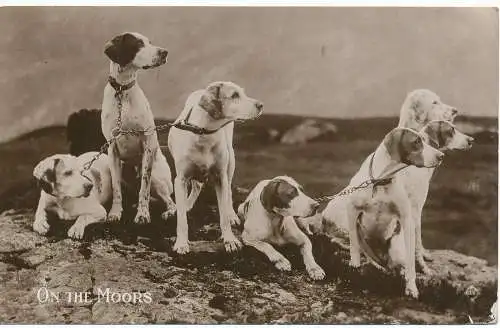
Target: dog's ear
211 101
45 174
440 133
123 48
394 142
269 195
417 110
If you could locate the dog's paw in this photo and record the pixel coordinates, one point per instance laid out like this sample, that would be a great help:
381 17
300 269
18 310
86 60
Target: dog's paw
355 263
411 290
115 214
170 211
316 272
232 244
423 268
181 247
76 231
283 264
41 226
427 256
142 217
234 220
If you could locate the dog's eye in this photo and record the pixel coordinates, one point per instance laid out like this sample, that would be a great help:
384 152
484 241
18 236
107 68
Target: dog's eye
68 173
417 142
435 102
235 95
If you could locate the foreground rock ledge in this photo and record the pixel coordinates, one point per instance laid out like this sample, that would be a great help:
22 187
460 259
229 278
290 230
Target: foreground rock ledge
210 286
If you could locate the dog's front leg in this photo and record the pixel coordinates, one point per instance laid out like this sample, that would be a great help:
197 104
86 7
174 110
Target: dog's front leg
279 261
409 236
143 215
115 166
354 249
294 235
41 224
181 245
419 248
78 228
226 212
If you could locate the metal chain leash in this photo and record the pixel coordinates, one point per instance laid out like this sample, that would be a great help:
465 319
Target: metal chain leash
348 191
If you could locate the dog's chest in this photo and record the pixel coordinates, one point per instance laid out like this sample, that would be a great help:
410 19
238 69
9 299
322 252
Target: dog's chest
378 212
204 159
135 117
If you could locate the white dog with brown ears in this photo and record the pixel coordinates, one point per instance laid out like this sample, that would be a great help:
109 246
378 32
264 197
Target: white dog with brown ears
124 105
71 192
269 212
379 217
201 143
444 136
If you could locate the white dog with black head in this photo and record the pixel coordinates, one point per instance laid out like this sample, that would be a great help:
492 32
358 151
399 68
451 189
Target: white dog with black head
124 105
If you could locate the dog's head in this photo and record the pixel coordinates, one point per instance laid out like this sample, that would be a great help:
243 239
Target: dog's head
422 106
408 147
443 135
135 50
60 176
284 196
228 101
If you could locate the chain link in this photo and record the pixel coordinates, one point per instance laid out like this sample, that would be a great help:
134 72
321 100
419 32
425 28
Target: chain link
119 131
348 191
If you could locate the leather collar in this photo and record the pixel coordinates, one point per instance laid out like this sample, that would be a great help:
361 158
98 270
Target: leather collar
186 126
120 88
377 182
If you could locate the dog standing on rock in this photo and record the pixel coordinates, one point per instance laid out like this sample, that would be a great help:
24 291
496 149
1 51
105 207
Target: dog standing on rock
126 107
201 143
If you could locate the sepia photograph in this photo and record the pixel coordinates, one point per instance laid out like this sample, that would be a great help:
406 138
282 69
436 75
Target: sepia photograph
245 164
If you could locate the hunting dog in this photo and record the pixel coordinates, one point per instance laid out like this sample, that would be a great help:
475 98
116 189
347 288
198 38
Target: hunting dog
268 214
444 136
379 217
71 192
420 107
125 105
201 143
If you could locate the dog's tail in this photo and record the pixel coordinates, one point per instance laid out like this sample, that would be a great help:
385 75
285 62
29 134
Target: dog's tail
370 254
196 188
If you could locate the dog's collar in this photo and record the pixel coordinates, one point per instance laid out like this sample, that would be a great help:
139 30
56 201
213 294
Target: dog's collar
120 88
377 182
186 126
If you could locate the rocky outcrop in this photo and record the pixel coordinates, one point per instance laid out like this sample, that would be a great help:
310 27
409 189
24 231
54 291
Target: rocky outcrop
115 267
308 130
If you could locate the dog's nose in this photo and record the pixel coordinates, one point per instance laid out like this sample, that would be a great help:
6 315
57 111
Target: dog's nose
470 141
88 188
163 53
440 156
259 105
454 111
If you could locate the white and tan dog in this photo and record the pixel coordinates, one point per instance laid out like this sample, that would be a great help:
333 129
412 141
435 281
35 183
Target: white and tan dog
128 53
422 106
444 136
268 214
71 193
379 217
201 143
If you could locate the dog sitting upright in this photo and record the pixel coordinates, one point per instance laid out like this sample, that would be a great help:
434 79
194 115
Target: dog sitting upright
379 216
71 192
268 214
444 136
125 101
